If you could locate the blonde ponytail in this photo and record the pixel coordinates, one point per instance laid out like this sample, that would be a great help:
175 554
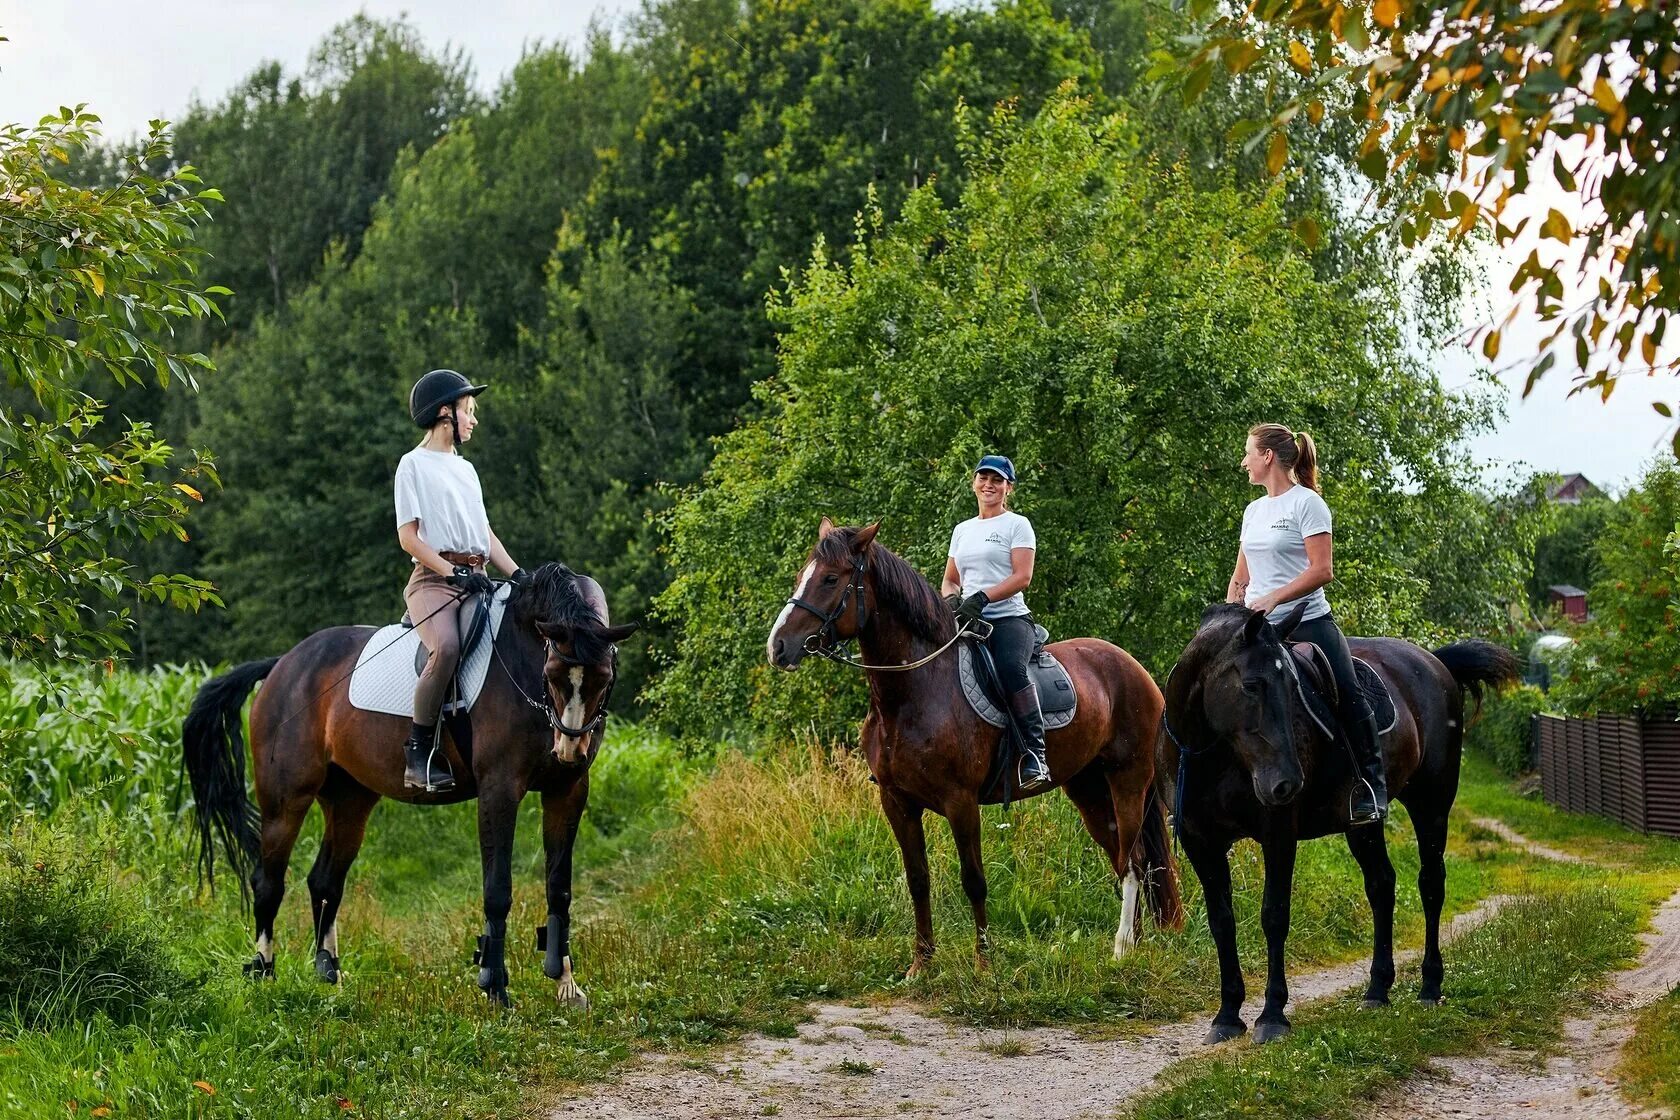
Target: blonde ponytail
1295 451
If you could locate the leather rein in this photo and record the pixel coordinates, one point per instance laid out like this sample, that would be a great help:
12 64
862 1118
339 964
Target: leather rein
825 641
546 706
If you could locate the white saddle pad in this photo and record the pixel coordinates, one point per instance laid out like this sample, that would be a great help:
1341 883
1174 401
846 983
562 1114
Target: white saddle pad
384 677
990 712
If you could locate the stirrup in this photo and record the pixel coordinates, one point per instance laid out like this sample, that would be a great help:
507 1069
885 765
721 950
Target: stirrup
445 780
1033 773
1377 813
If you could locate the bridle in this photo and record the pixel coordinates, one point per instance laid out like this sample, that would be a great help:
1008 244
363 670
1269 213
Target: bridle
825 640
546 705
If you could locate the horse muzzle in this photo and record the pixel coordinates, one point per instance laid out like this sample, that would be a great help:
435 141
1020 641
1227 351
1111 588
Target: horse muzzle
1276 789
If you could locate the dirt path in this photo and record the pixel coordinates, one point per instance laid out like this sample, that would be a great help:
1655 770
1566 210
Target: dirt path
1511 836
892 1060
1574 1085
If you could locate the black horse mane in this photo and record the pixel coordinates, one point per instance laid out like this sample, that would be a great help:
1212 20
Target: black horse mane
899 587
552 594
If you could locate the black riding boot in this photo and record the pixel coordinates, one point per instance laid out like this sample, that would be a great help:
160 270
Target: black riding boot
1035 770
427 767
1369 803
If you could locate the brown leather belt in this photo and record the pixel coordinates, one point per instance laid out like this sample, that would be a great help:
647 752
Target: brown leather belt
473 560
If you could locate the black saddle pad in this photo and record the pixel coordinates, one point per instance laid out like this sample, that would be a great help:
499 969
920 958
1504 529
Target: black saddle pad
1318 690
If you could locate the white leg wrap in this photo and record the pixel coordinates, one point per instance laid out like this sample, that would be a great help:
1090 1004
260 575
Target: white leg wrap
1126 936
566 989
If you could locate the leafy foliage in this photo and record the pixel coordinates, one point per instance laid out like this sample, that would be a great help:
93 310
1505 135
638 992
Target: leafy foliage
1626 657
1503 731
1116 330
1485 91
1566 552
94 285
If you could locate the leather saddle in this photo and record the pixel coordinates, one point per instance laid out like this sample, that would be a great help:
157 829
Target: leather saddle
474 621
1317 687
1056 697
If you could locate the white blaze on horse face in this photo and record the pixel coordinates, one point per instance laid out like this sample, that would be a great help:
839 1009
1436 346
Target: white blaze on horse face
787 610
1126 936
566 746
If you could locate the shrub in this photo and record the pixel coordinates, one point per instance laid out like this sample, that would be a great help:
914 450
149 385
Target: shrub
74 941
1504 729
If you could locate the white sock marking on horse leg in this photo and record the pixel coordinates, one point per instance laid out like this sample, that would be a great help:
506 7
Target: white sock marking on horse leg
265 947
330 941
787 611
1126 936
566 989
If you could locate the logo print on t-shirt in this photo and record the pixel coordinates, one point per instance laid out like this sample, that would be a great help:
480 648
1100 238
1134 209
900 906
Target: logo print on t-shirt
996 538
1282 524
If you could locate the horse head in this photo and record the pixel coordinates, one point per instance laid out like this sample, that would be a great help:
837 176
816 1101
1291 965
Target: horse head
569 612
830 601
1243 693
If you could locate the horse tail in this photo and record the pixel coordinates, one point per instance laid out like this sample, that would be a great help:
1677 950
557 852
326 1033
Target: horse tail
213 755
1476 664
1160 874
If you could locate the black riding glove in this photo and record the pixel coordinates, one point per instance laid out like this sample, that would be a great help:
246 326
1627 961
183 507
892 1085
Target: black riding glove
519 576
953 601
969 610
469 582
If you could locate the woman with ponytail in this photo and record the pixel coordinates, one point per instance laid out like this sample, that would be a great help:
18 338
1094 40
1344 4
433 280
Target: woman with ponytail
1284 560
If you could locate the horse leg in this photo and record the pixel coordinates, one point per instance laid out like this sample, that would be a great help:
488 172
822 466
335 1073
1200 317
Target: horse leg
1371 850
268 881
346 810
562 810
498 808
1279 853
963 815
1213 868
906 821
1090 792
1430 824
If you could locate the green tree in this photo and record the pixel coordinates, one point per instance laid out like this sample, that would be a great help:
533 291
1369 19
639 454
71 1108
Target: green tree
1626 657
95 285
1567 553
1114 328
1484 94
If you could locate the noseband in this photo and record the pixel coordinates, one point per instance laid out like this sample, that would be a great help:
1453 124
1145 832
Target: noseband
823 641
546 706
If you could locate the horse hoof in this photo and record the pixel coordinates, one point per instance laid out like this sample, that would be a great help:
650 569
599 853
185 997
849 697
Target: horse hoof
570 995
1430 1001
326 966
1372 1003
1271 1032
498 996
1223 1032
258 969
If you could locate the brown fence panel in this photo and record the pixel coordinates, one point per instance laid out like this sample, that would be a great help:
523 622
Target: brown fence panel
1633 767
1548 731
1661 742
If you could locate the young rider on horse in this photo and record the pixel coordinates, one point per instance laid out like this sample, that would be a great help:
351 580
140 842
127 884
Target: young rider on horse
441 523
1285 559
989 565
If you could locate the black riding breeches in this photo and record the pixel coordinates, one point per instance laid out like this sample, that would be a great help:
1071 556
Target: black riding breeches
1011 644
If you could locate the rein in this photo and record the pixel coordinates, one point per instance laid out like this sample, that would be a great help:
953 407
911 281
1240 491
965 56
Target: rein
824 641
547 708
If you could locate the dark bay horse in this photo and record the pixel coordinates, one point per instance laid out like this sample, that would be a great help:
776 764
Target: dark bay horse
537 725
928 750
1256 765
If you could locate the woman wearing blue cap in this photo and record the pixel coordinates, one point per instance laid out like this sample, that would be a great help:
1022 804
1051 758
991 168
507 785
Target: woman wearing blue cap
989 565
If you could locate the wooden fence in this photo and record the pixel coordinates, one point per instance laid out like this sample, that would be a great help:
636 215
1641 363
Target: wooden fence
1621 767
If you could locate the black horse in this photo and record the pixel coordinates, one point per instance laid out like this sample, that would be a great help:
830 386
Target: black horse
536 725
1254 764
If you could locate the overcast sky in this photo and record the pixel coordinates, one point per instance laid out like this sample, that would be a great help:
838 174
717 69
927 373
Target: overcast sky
130 62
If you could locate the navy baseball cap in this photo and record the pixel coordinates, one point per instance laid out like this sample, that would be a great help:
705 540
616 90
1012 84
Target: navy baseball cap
999 464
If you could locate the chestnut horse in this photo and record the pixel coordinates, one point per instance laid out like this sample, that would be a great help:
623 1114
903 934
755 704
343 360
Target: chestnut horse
1249 762
536 725
929 751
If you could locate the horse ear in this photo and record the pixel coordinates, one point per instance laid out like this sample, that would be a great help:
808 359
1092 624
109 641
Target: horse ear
865 537
825 528
1291 620
555 631
1251 629
616 634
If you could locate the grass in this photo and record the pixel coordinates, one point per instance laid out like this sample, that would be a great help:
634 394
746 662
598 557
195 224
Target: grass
713 900
1649 1072
1509 980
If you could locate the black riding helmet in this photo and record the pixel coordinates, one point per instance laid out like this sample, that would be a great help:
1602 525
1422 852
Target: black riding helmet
439 387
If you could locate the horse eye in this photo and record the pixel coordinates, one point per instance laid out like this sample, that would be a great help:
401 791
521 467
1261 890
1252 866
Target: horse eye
830 580
1251 687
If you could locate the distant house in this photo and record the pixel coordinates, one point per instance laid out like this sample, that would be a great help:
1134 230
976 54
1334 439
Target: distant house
1572 490
1569 599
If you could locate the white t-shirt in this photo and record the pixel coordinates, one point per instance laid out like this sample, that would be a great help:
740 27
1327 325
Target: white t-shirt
1274 536
980 546
441 490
